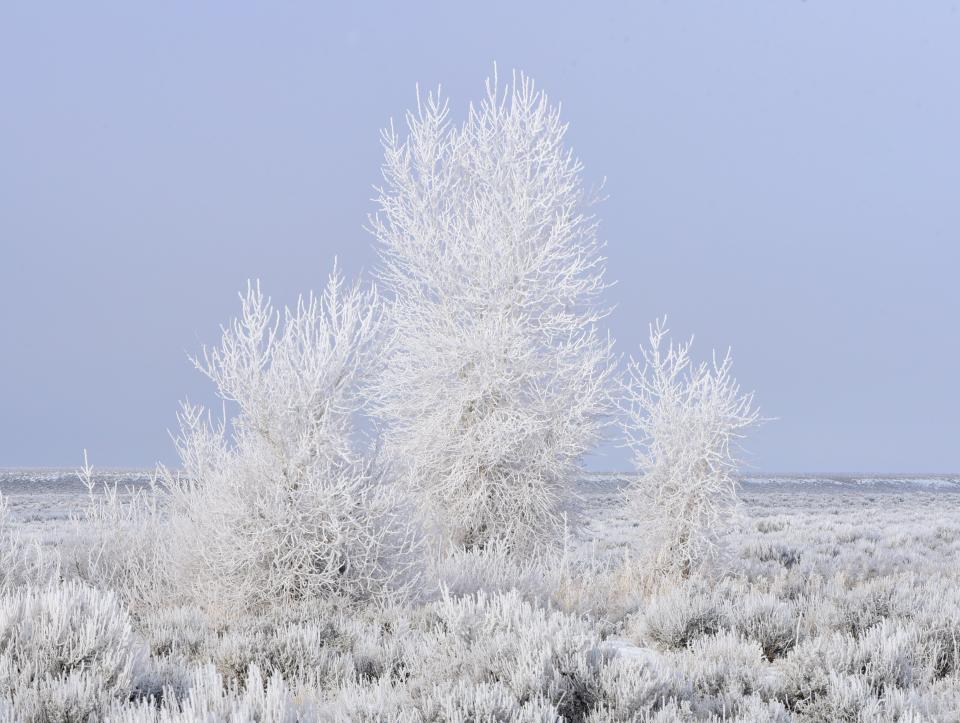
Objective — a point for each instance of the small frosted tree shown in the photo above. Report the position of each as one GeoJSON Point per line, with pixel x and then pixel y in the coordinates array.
{"type": "Point", "coordinates": [683, 424]}
{"type": "Point", "coordinates": [495, 381]}
{"type": "Point", "coordinates": [278, 505]}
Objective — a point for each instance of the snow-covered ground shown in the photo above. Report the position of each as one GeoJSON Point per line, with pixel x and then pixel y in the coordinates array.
{"type": "Point", "coordinates": [41, 500]}
{"type": "Point", "coordinates": [836, 598]}
{"type": "Point", "coordinates": [45, 496]}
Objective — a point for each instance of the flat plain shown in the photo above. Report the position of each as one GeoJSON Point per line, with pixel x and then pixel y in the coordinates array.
{"type": "Point", "coordinates": [830, 598]}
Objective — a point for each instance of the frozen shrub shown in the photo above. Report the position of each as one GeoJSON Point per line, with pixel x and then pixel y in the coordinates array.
{"type": "Point", "coordinates": [66, 651]}
{"type": "Point", "coordinates": [777, 552]}
{"type": "Point", "coordinates": [179, 631]}
{"type": "Point", "coordinates": [606, 590]}
{"type": "Point", "coordinates": [755, 709]}
{"type": "Point", "coordinates": [888, 655]}
{"type": "Point", "coordinates": [858, 609]}
{"type": "Point", "coordinates": [683, 423]}
{"type": "Point", "coordinates": [162, 677]}
{"type": "Point", "coordinates": [631, 688]}
{"type": "Point", "coordinates": [10, 547]}
{"type": "Point", "coordinates": [463, 702]}
{"type": "Point", "coordinates": [121, 541]}
{"type": "Point", "coordinates": [211, 698]}
{"type": "Point", "coordinates": [723, 669]}
{"type": "Point", "coordinates": [495, 381]}
{"type": "Point", "coordinates": [22, 563]}
{"type": "Point", "coordinates": [320, 645]}
{"type": "Point", "coordinates": [805, 671]}
{"type": "Point", "coordinates": [372, 702]}
{"type": "Point", "coordinates": [6, 526]}
{"type": "Point", "coordinates": [763, 618]}
{"type": "Point", "coordinates": [284, 507]}
{"type": "Point", "coordinates": [380, 639]}
{"type": "Point", "coordinates": [677, 618]}
{"type": "Point", "coordinates": [771, 525]}
{"type": "Point", "coordinates": [939, 638]}
{"type": "Point", "coordinates": [483, 657]}
{"type": "Point", "coordinates": [69, 698]}
{"type": "Point", "coordinates": [534, 652]}
{"type": "Point", "coordinates": [838, 675]}
{"type": "Point", "coordinates": [494, 568]}
{"type": "Point", "coordinates": [460, 701]}
{"type": "Point", "coordinates": [752, 709]}
{"type": "Point", "coordinates": [673, 712]}
{"type": "Point", "coordinates": [937, 702]}
{"type": "Point", "coordinates": [848, 697]}
{"type": "Point", "coordinates": [305, 649]}
{"type": "Point", "coordinates": [310, 652]}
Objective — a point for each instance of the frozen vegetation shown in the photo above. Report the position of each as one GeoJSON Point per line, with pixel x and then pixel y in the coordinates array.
{"type": "Point", "coordinates": [833, 600]}
{"type": "Point", "coordinates": [390, 521]}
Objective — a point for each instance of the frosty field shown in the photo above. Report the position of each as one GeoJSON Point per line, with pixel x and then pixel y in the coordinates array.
{"type": "Point", "coordinates": [833, 599]}
{"type": "Point", "coordinates": [383, 507]}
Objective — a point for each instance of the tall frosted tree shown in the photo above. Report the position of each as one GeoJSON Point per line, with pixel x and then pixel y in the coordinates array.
{"type": "Point", "coordinates": [495, 382]}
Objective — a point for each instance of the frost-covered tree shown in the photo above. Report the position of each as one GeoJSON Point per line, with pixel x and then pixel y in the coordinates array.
{"type": "Point", "coordinates": [278, 504]}
{"type": "Point", "coordinates": [495, 380]}
{"type": "Point", "coordinates": [683, 424]}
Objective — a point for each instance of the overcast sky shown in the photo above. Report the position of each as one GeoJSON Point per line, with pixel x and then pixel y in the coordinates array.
{"type": "Point", "coordinates": [782, 177]}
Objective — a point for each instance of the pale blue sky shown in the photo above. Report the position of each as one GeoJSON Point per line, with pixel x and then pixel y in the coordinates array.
{"type": "Point", "coordinates": [783, 177]}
